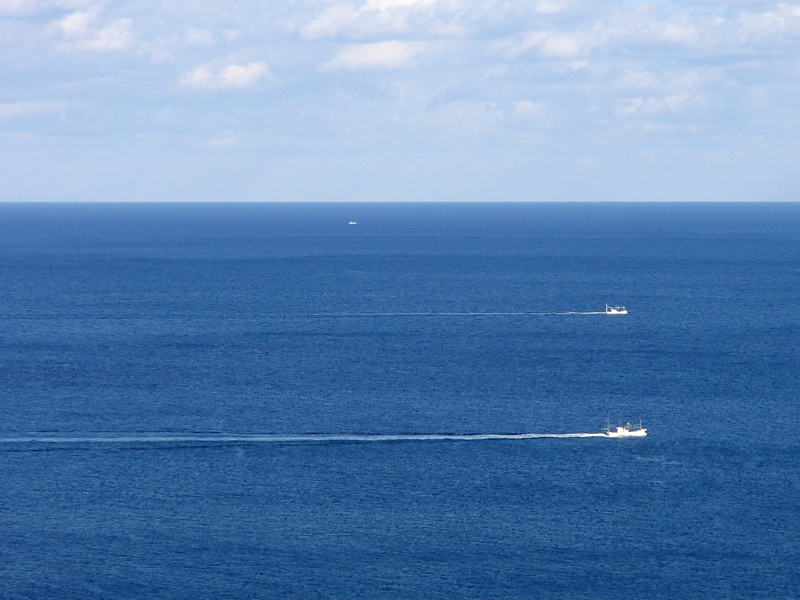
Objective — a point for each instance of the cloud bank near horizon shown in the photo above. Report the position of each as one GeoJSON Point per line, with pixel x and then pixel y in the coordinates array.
{"type": "Point", "coordinates": [390, 99]}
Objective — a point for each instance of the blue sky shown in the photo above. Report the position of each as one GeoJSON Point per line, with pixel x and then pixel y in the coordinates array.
{"type": "Point", "coordinates": [399, 100]}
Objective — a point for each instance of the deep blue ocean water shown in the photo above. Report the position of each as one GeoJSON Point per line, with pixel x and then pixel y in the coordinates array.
{"type": "Point", "coordinates": [196, 321]}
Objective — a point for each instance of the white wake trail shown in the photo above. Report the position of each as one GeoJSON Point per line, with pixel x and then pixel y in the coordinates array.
{"type": "Point", "coordinates": [282, 438]}
{"type": "Point", "coordinates": [435, 314]}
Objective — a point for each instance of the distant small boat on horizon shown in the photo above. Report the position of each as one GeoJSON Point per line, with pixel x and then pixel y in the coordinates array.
{"type": "Point", "coordinates": [353, 223]}
{"type": "Point", "coordinates": [616, 310]}
{"type": "Point", "coordinates": [627, 430]}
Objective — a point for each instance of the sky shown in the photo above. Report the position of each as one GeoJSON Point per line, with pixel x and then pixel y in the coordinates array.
{"type": "Point", "coordinates": [399, 100]}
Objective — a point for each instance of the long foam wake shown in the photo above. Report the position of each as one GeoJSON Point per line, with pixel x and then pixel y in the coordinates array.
{"type": "Point", "coordinates": [435, 314]}
{"type": "Point", "coordinates": [282, 438]}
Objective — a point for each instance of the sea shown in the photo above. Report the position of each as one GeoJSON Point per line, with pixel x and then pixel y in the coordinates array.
{"type": "Point", "coordinates": [245, 401]}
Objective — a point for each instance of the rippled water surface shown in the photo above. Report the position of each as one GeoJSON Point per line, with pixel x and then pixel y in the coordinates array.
{"type": "Point", "coordinates": [262, 401]}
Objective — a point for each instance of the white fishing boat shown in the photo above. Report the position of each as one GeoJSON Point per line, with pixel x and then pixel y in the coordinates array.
{"type": "Point", "coordinates": [627, 430]}
{"type": "Point", "coordinates": [353, 223]}
{"type": "Point", "coordinates": [616, 310]}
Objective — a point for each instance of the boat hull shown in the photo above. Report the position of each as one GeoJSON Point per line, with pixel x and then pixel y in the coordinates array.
{"type": "Point", "coordinates": [622, 432]}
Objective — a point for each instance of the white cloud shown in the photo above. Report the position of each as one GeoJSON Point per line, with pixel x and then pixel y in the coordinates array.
{"type": "Point", "coordinates": [392, 54]}
{"type": "Point", "coordinates": [549, 7]}
{"type": "Point", "coordinates": [641, 29]}
{"type": "Point", "coordinates": [370, 19]}
{"type": "Point", "coordinates": [27, 8]}
{"type": "Point", "coordinates": [232, 34]}
{"type": "Point", "coordinates": [784, 18]}
{"type": "Point", "coordinates": [390, 4]}
{"type": "Point", "coordinates": [239, 76]}
{"type": "Point", "coordinates": [78, 28]}
{"type": "Point", "coordinates": [115, 36]}
{"type": "Point", "coordinates": [618, 61]}
{"type": "Point", "coordinates": [386, 17]}
{"type": "Point", "coordinates": [680, 33]}
{"type": "Point", "coordinates": [676, 102]}
{"type": "Point", "coordinates": [652, 106]}
{"type": "Point", "coordinates": [77, 24]}
{"type": "Point", "coordinates": [564, 45]}
{"type": "Point", "coordinates": [14, 8]}
{"type": "Point", "coordinates": [200, 78]}
{"type": "Point", "coordinates": [526, 108]}
{"type": "Point", "coordinates": [230, 76]}
{"type": "Point", "coordinates": [552, 44]}
{"type": "Point", "coordinates": [557, 71]}
{"type": "Point", "coordinates": [11, 110]}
